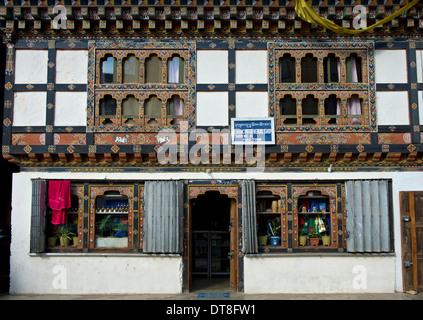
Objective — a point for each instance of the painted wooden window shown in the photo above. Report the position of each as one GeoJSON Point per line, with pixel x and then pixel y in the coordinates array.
{"type": "Point", "coordinates": [328, 85]}
{"type": "Point", "coordinates": [101, 217]}
{"type": "Point", "coordinates": [140, 89]}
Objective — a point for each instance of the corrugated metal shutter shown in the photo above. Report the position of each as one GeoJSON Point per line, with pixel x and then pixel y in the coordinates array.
{"type": "Point", "coordinates": [367, 216]}
{"type": "Point", "coordinates": [38, 216]}
{"type": "Point", "coordinates": [249, 223]}
{"type": "Point", "coordinates": [163, 225]}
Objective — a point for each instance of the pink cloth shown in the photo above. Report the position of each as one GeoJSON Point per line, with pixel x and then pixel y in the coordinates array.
{"type": "Point", "coordinates": [59, 200]}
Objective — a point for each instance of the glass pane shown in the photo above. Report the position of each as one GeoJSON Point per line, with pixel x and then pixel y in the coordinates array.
{"type": "Point", "coordinates": [111, 227]}
{"type": "Point", "coordinates": [287, 69]}
{"type": "Point", "coordinates": [107, 106]}
{"type": "Point", "coordinates": [331, 66]}
{"type": "Point", "coordinates": [308, 69]}
{"type": "Point", "coordinates": [153, 69]}
{"type": "Point", "coordinates": [153, 107]}
{"type": "Point", "coordinates": [131, 69]}
{"type": "Point", "coordinates": [108, 70]}
{"type": "Point", "coordinates": [130, 107]}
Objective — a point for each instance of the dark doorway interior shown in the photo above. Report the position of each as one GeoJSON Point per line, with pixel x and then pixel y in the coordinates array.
{"type": "Point", "coordinates": [210, 242]}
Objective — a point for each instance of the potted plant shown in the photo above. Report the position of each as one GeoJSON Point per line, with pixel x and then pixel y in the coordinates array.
{"type": "Point", "coordinates": [314, 237]}
{"type": "Point", "coordinates": [65, 234]}
{"type": "Point", "coordinates": [275, 240]}
{"type": "Point", "coordinates": [262, 239]}
{"type": "Point", "coordinates": [326, 240]}
{"type": "Point", "coordinates": [303, 236]}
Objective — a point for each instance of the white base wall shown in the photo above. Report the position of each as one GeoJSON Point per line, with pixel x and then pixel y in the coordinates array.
{"type": "Point", "coordinates": [319, 274]}
{"type": "Point", "coordinates": [103, 274]}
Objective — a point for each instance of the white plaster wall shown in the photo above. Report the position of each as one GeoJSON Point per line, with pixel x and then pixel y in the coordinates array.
{"type": "Point", "coordinates": [70, 108]}
{"type": "Point", "coordinates": [71, 66]}
{"type": "Point", "coordinates": [31, 274]}
{"type": "Point", "coordinates": [212, 108]}
{"type": "Point", "coordinates": [392, 108]}
{"type": "Point", "coordinates": [31, 66]}
{"type": "Point", "coordinates": [319, 274]}
{"type": "Point", "coordinates": [252, 104]}
{"type": "Point", "coordinates": [391, 66]}
{"type": "Point", "coordinates": [212, 66]}
{"type": "Point", "coordinates": [251, 66]}
{"type": "Point", "coordinates": [29, 108]}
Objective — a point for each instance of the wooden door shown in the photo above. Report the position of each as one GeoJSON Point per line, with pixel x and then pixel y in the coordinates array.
{"type": "Point", "coordinates": [412, 240]}
{"type": "Point", "coordinates": [233, 256]}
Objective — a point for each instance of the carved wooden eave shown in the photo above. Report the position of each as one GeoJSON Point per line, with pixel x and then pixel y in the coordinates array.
{"type": "Point", "coordinates": [273, 161]}
{"type": "Point", "coordinates": [194, 18]}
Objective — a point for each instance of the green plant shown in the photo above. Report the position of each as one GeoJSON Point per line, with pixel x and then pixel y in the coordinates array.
{"type": "Point", "coordinates": [105, 224]}
{"type": "Point", "coordinates": [313, 233]}
{"type": "Point", "coordinates": [303, 231]}
{"type": "Point", "coordinates": [64, 231]}
{"type": "Point", "coordinates": [275, 227]}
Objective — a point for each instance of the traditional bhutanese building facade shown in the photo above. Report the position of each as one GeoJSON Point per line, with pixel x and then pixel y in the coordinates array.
{"type": "Point", "coordinates": [192, 131]}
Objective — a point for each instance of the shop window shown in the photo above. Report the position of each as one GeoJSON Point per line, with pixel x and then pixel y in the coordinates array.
{"type": "Point", "coordinates": [288, 110]}
{"type": "Point", "coordinates": [269, 208]}
{"type": "Point", "coordinates": [108, 72]}
{"type": "Point", "coordinates": [314, 219]}
{"type": "Point", "coordinates": [152, 111]}
{"type": "Point", "coordinates": [153, 69]}
{"type": "Point", "coordinates": [111, 220]}
{"type": "Point", "coordinates": [131, 69]}
{"type": "Point", "coordinates": [331, 68]}
{"type": "Point", "coordinates": [130, 110]}
{"type": "Point", "coordinates": [287, 69]}
{"type": "Point", "coordinates": [308, 68]}
{"type": "Point", "coordinates": [354, 68]}
{"type": "Point", "coordinates": [175, 109]}
{"type": "Point", "coordinates": [310, 110]}
{"type": "Point", "coordinates": [175, 70]}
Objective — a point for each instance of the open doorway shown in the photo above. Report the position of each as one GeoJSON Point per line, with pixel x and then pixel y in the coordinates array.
{"type": "Point", "coordinates": [210, 246]}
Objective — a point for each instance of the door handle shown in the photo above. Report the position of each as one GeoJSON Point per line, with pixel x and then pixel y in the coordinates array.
{"type": "Point", "coordinates": [231, 255]}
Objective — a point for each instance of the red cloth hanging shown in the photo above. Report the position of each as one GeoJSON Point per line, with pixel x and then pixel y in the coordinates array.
{"type": "Point", "coordinates": [59, 200]}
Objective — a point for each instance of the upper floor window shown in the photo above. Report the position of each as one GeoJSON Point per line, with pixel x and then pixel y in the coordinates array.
{"type": "Point", "coordinates": [144, 88]}
{"type": "Point", "coordinates": [319, 86]}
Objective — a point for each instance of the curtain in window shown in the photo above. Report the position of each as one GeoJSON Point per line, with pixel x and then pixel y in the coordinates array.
{"type": "Point", "coordinates": [38, 216]}
{"type": "Point", "coordinates": [249, 220]}
{"type": "Point", "coordinates": [367, 216]}
{"type": "Point", "coordinates": [176, 106]}
{"type": "Point", "coordinates": [176, 70]}
{"type": "Point", "coordinates": [354, 108]}
{"type": "Point", "coordinates": [163, 217]}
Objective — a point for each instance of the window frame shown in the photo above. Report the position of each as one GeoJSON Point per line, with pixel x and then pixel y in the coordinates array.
{"type": "Point", "coordinates": [321, 89]}
{"type": "Point", "coordinates": [141, 90]}
{"type": "Point", "coordinates": [87, 194]}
